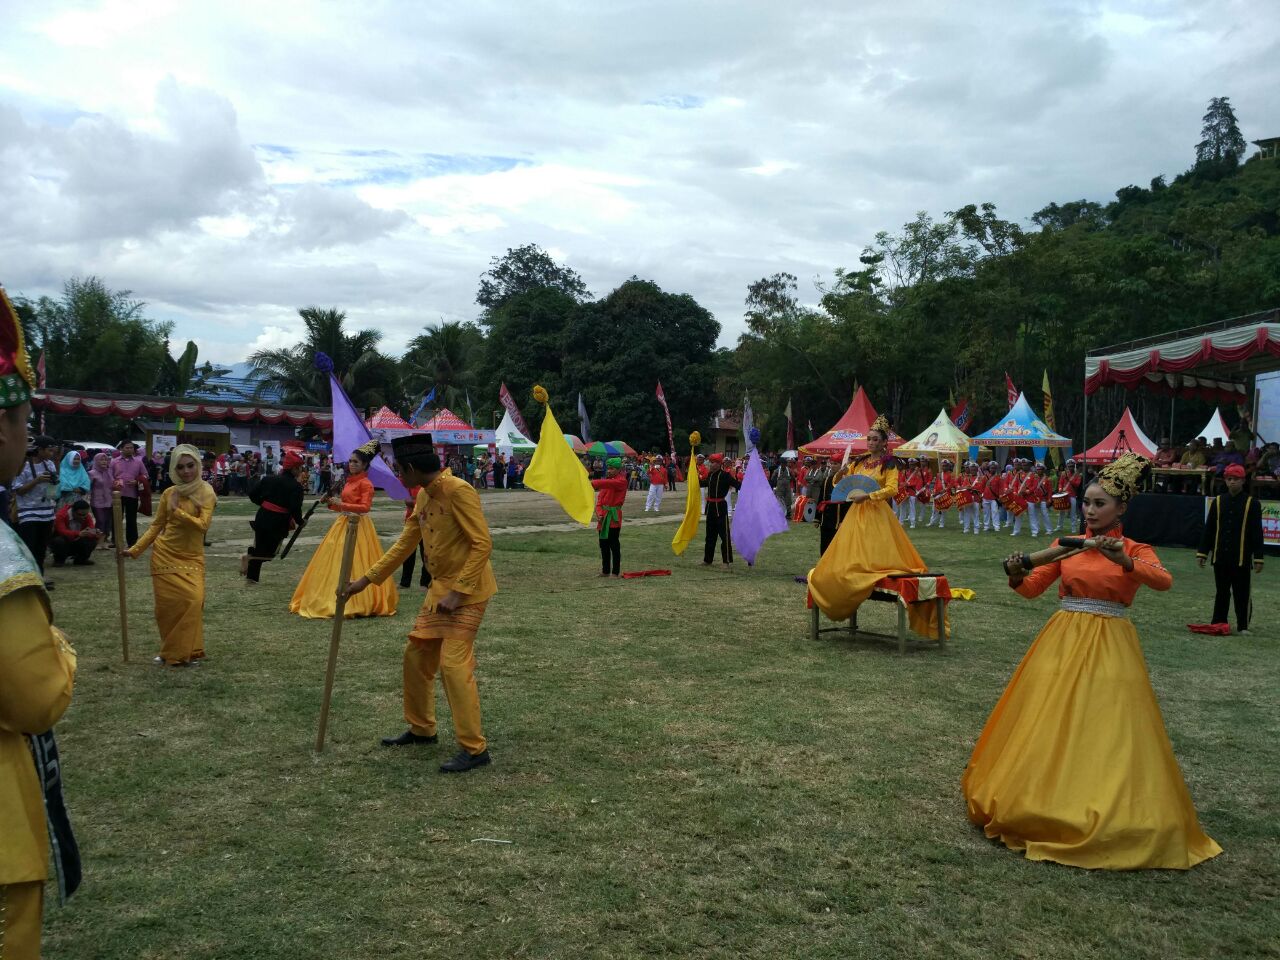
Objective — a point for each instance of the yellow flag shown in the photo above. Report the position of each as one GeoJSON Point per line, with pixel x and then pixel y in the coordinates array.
{"type": "Point", "coordinates": [692, 506]}
{"type": "Point", "coordinates": [556, 471]}
{"type": "Point", "coordinates": [1054, 453]}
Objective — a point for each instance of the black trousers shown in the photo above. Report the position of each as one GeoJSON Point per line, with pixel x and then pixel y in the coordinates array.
{"type": "Point", "coordinates": [406, 569]}
{"type": "Point", "coordinates": [1232, 580]}
{"type": "Point", "coordinates": [268, 533]}
{"type": "Point", "coordinates": [826, 533]}
{"type": "Point", "coordinates": [718, 529]}
{"type": "Point", "coordinates": [79, 549]}
{"type": "Point", "coordinates": [611, 552]}
{"type": "Point", "coordinates": [35, 534]}
{"type": "Point", "coordinates": [130, 505]}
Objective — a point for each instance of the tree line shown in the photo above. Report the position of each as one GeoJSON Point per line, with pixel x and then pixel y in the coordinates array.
{"type": "Point", "coordinates": [942, 308]}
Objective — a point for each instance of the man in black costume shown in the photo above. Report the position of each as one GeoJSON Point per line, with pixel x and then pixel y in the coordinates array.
{"type": "Point", "coordinates": [279, 500]}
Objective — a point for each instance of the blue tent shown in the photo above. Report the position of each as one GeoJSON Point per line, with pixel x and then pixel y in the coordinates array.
{"type": "Point", "coordinates": [1021, 427]}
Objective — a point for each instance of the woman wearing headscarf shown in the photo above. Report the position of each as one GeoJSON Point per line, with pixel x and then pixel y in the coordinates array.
{"type": "Point", "coordinates": [100, 486]}
{"type": "Point", "coordinates": [1074, 764]}
{"type": "Point", "coordinates": [316, 595]}
{"type": "Point", "coordinates": [176, 537]}
{"type": "Point", "coordinates": [73, 479]}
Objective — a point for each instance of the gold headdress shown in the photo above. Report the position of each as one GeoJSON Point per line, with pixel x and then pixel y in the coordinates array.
{"type": "Point", "coordinates": [881, 425]}
{"type": "Point", "coordinates": [370, 449]}
{"type": "Point", "coordinates": [1121, 478]}
{"type": "Point", "coordinates": [17, 379]}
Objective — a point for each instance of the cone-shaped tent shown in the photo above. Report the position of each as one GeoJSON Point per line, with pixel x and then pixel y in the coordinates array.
{"type": "Point", "coordinates": [850, 432]}
{"type": "Point", "coordinates": [446, 419]}
{"type": "Point", "coordinates": [1216, 429]}
{"type": "Point", "coordinates": [1125, 437]}
{"type": "Point", "coordinates": [508, 439]}
{"type": "Point", "coordinates": [386, 419]}
{"type": "Point", "coordinates": [1021, 427]}
{"type": "Point", "coordinates": [942, 438]}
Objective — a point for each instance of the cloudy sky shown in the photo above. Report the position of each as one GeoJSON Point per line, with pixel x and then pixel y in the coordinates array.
{"type": "Point", "coordinates": [230, 162]}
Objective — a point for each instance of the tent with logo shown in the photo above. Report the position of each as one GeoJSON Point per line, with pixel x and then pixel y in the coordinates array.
{"type": "Point", "coordinates": [1125, 437]}
{"type": "Point", "coordinates": [508, 439]}
{"type": "Point", "coordinates": [850, 432]}
{"type": "Point", "coordinates": [941, 439]}
{"type": "Point", "coordinates": [1021, 427]}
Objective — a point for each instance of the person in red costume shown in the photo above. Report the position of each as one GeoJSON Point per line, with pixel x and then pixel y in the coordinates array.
{"type": "Point", "coordinates": [611, 493]}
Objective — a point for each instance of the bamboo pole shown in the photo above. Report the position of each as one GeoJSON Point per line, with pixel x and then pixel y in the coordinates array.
{"type": "Point", "coordinates": [335, 637]}
{"type": "Point", "coordinates": [117, 527]}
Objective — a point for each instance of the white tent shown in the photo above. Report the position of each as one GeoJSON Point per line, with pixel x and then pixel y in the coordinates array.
{"type": "Point", "coordinates": [508, 439]}
{"type": "Point", "coordinates": [1215, 429]}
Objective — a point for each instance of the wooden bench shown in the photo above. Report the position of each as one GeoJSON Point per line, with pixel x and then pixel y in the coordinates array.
{"type": "Point", "coordinates": [941, 595]}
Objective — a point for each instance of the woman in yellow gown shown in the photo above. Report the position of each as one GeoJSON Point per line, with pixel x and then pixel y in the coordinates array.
{"type": "Point", "coordinates": [870, 543]}
{"type": "Point", "coordinates": [316, 595]}
{"type": "Point", "coordinates": [1074, 764]}
{"type": "Point", "coordinates": [176, 537]}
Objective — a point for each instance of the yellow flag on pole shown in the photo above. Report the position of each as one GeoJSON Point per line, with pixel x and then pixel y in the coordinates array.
{"type": "Point", "coordinates": [692, 501]}
{"type": "Point", "coordinates": [556, 470]}
{"type": "Point", "coordinates": [1048, 418]}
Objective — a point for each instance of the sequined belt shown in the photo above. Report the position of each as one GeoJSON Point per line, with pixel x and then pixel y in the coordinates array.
{"type": "Point", "coordinates": [1102, 608]}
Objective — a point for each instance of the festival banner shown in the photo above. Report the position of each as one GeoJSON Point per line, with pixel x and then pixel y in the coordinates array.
{"type": "Point", "coordinates": [671, 440]}
{"type": "Point", "coordinates": [1011, 390]}
{"type": "Point", "coordinates": [1270, 521]}
{"type": "Point", "coordinates": [791, 427]}
{"type": "Point", "coordinates": [960, 413]}
{"type": "Point", "coordinates": [1048, 418]}
{"type": "Point", "coordinates": [748, 422]}
{"type": "Point", "coordinates": [509, 404]}
{"type": "Point", "coordinates": [583, 421]}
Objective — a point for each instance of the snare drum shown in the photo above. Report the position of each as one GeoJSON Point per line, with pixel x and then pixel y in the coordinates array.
{"type": "Point", "coordinates": [924, 496]}
{"type": "Point", "coordinates": [1016, 505]}
{"type": "Point", "coordinates": [798, 511]}
{"type": "Point", "coordinates": [810, 512]}
{"type": "Point", "coordinates": [1061, 501]}
{"type": "Point", "coordinates": [901, 496]}
{"type": "Point", "coordinates": [943, 501]}
{"type": "Point", "coordinates": [966, 498]}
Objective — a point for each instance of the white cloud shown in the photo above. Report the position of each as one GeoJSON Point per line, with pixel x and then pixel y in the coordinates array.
{"type": "Point", "coordinates": [232, 162]}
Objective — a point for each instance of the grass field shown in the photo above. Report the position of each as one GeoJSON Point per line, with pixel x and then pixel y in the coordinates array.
{"type": "Point", "coordinates": [680, 772]}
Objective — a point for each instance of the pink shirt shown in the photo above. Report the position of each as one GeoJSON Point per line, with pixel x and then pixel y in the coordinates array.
{"type": "Point", "coordinates": [128, 473]}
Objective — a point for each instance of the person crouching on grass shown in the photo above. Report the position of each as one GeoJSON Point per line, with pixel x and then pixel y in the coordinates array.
{"type": "Point", "coordinates": [447, 516]}
{"type": "Point", "coordinates": [75, 535]}
{"type": "Point", "coordinates": [611, 494]}
{"type": "Point", "coordinates": [1232, 542]}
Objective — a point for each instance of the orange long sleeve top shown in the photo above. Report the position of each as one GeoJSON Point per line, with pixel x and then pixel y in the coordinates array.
{"type": "Point", "coordinates": [356, 496]}
{"type": "Point", "coordinates": [1090, 574]}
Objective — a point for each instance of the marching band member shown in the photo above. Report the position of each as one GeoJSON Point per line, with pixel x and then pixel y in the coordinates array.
{"type": "Point", "coordinates": [1044, 490]}
{"type": "Point", "coordinates": [657, 483]}
{"type": "Point", "coordinates": [1069, 483]}
{"type": "Point", "coordinates": [991, 490]}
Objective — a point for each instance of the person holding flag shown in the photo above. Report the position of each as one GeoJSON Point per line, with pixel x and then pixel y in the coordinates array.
{"type": "Point", "coordinates": [657, 483]}
{"type": "Point", "coordinates": [719, 483]}
{"type": "Point", "coordinates": [279, 500]}
{"type": "Point", "coordinates": [611, 494]}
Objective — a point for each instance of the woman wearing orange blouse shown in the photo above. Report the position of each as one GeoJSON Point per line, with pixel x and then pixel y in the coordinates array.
{"type": "Point", "coordinates": [176, 538]}
{"type": "Point", "coordinates": [316, 595]}
{"type": "Point", "coordinates": [1074, 764]}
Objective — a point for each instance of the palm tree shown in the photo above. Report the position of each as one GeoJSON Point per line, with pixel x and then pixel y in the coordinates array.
{"type": "Point", "coordinates": [444, 356]}
{"type": "Point", "coordinates": [369, 376]}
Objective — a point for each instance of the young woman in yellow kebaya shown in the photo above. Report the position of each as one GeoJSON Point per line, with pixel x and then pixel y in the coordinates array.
{"type": "Point", "coordinates": [316, 595]}
{"type": "Point", "coordinates": [176, 537]}
{"type": "Point", "coordinates": [1074, 764]}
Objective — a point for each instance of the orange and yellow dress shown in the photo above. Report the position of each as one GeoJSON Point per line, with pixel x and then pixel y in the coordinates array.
{"type": "Point", "coordinates": [1074, 764]}
{"type": "Point", "coordinates": [869, 546]}
{"type": "Point", "coordinates": [176, 538]}
{"type": "Point", "coordinates": [316, 596]}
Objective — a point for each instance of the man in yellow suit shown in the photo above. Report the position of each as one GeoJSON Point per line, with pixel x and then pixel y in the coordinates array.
{"type": "Point", "coordinates": [447, 518]}
{"type": "Point", "coordinates": [37, 668]}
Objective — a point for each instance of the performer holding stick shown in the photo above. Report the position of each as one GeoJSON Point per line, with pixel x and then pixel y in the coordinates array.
{"type": "Point", "coordinates": [37, 671]}
{"type": "Point", "coordinates": [351, 535]}
{"type": "Point", "coordinates": [117, 528]}
{"type": "Point", "coordinates": [1074, 764]}
{"type": "Point", "coordinates": [448, 517]}
{"type": "Point", "coordinates": [279, 500]}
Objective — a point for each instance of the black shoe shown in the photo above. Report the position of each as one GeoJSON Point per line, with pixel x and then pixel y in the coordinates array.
{"type": "Point", "coordinates": [465, 761]}
{"type": "Point", "coordinates": [408, 739]}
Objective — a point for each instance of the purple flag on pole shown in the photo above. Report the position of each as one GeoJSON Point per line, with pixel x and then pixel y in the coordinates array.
{"type": "Point", "coordinates": [758, 514]}
{"type": "Point", "coordinates": [350, 432]}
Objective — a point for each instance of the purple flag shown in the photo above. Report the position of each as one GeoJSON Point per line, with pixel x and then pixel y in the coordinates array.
{"type": "Point", "coordinates": [350, 432]}
{"type": "Point", "coordinates": [758, 514]}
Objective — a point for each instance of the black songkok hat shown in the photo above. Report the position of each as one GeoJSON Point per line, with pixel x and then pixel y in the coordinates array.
{"type": "Point", "coordinates": [413, 446]}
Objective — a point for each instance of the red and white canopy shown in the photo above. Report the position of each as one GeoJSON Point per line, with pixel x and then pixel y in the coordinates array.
{"type": "Point", "coordinates": [1216, 429]}
{"type": "Point", "coordinates": [125, 405]}
{"type": "Point", "coordinates": [446, 419]}
{"type": "Point", "coordinates": [387, 419]}
{"type": "Point", "coordinates": [1211, 363]}
{"type": "Point", "coordinates": [1125, 437]}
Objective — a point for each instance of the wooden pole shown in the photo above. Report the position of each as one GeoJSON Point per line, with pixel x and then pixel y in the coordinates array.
{"type": "Point", "coordinates": [117, 527]}
{"type": "Point", "coordinates": [335, 637]}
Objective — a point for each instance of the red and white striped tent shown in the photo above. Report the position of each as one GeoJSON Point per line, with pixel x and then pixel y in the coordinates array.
{"type": "Point", "coordinates": [387, 419]}
{"type": "Point", "coordinates": [446, 419]}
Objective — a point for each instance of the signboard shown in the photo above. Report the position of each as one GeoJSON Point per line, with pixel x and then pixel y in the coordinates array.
{"type": "Point", "coordinates": [270, 450]}
{"type": "Point", "coordinates": [162, 443]}
{"type": "Point", "coordinates": [1270, 522]}
{"type": "Point", "coordinates": [317, 446]}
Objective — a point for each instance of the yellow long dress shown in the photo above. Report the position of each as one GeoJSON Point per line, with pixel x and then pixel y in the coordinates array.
{"type": "Point", "coordinates": [176, 538]}
{"type": "Point", "coordinates": [869, 545]}
{"type": "Point", "coordinates": [316, 594]}
{"type": "Point", "coordinates": [1074, 764]}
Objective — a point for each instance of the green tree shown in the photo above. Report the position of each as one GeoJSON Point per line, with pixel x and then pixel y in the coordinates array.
{"type": "Point", "coordinates": [526, 268]}
{"type": "Point", "coordinates": [617, 349]}
{"type": "Point", "coordinates": [185, 375]}
{"type": "Point", "coordinates": [446, 356]}
{"type": "Point", "coordinates": [370, 377]}
{"type": "Point", "coordinates": [1221, 142]}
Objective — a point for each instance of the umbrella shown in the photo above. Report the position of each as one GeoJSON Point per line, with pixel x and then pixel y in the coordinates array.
{"type": "Point", "coordinates": [602, 449]}
{"type": "Point", "coordinates": [789, 455]}
{"type": "Point", "coordinates": [578, 445]}
{"type": "Point", "coordinates": [626, 448]}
